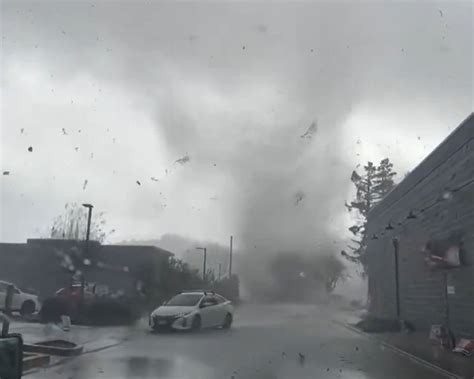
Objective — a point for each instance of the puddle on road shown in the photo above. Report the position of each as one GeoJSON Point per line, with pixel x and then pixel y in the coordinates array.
{"type": "Point", "coordinates": [138, 367]}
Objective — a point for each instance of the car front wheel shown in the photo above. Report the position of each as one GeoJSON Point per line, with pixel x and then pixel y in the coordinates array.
{"type": "Point", "coordinates": [227, 322]}
{"type": "Point", "coordinates": [196, 325]}
{"type": "Point", "coordinates": [27, 308]}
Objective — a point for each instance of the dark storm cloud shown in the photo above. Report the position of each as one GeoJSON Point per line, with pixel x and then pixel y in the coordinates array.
{"type": "Point", "coordinates": [247, 108]}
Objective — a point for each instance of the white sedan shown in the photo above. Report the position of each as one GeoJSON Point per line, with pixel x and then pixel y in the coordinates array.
{"type": "Point", "coordinates": [23, 302]}
{"type": "Point", "coordinates": [193, 310]}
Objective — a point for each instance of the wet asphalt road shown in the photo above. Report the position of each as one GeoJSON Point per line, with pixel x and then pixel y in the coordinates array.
{"type": "Point", "coordinates": [266, 342]}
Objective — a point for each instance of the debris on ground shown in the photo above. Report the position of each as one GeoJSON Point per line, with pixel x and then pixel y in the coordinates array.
{"type": "Point", "coordinates": [465, 347]}
{"type": "Point", "coordinates": [85, 184]}
{"type": "Point", "coordinates": [302, 358]}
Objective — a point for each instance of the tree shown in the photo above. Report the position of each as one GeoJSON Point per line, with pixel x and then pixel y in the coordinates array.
{"type": "Point", "coordinates": [72, 224]}
{"type": "Point", "coordinates": [371, 187]}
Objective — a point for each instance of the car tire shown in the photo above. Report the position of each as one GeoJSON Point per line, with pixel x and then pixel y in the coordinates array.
{"type": "Point", "coordinates": [227, 322]}
{"type": "Point", "coordinates": [27, 308]}
{"type": "Point", "coordinates": [196, 325]}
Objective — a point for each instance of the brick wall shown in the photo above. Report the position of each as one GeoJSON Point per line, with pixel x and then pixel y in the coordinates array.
{"type": "Point", "coordinates": [440, 192]}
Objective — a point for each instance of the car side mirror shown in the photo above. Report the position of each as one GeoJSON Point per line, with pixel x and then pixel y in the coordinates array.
{"type": "Point", "coordinates": [11, 352]}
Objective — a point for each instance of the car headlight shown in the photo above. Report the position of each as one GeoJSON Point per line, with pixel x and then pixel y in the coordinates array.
{"type": "Point", "coordinates": [184, 314]}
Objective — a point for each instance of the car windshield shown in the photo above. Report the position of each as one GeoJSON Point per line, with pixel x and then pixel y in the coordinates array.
{"type": "Point", "coordinates": [184, 300]}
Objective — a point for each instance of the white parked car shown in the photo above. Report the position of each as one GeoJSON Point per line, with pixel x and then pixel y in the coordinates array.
{"type": "Point", "coordinates": [193, 310]}
{"type": "Point", "coordinates": [23, 302]}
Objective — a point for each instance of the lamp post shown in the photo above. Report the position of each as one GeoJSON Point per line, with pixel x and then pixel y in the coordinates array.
{"type": "Point", "coordinates": [204, 262]}
{"type": "Point", "coordinates": [230, 255]}
{"type": "Point", "coordinates": [86, 255]}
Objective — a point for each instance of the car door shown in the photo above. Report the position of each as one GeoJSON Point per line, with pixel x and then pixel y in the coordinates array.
{"type": "Point", "coordinates": [221, 311]}
{"type": "Point", "coordinates": [17, 299]}
{"type": "Point", "coordinates": [208, 311]}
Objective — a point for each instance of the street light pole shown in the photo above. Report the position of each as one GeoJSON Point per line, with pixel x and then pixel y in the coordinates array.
{"type": "Point", "coordinates": [230, 255]}
{"type": "Point", "coordinates": [86, 255]}
{"type": "Point", "coordinates": [204, 262]}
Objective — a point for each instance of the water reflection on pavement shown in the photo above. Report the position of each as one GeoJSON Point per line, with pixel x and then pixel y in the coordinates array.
{"type": "Point", "coordinates": [267, 342]}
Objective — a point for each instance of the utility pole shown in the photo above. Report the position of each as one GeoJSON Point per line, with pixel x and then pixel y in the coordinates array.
{"type": "Point", "coordinates": [204, 262]}
{"type": "Point", "coordinates": [230, 256]}
{"type": "Point", "coordinates": [86, 255]}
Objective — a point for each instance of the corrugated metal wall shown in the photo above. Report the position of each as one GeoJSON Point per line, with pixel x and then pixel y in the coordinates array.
{"type": "Point", "coordinates": [440, 191]}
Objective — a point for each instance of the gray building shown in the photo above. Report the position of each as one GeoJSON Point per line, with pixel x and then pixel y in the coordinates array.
{"type": "Point", "coordinates": [420, 249]}
{"type": "Point", "coordinates": [48, 264]}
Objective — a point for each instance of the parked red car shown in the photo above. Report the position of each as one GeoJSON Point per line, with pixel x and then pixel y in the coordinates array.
{"type": "Point", "coordinates": [73, 293]}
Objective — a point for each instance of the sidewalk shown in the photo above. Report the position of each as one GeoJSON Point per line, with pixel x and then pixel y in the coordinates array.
{"type": "Point", "coordinates": [417, 344]}
{"type": "Point", "coordinates": [92, 338]}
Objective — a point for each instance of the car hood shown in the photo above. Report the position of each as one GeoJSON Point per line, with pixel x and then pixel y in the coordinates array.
{"type": "Point", "coordinates": [170, 311]}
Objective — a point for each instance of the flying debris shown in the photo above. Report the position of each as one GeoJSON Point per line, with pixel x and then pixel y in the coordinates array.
{"type": "Point", "coordinates": [355, 177]}
{"type": "Point", "coordinates": [85, 184]}
{"type": "Point", "coordinates": [6, 173]}
{"type": "Point", "coordinates": [22, 130]}
{"type": "Point", "coordinates": [313, 128]}
{"type": "Point", "coordinates": [440, 12]}
{"type": "Point", "coordinates": [302, 358]}
{"type": "Point", "coordinates": [64, 131]}
{"type": "Point", "coordinates": [138, 182]}
{"type": "Point", "coordinates": [30, 149]}
{"type": "Point", "coordinates": [154, 179]}
{"type": "Point", "coordinates": [299, 196]}
{"type": "Point", "coordinates": [183, 160]}
{"type": "Point", "coordinates": [76, 148]}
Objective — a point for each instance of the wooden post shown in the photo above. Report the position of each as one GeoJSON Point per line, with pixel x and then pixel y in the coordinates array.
{"type": "Point", "coordinates": [9, 299]}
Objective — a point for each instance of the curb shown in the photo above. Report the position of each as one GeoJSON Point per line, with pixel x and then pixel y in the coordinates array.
{"type": "Point", "coordinates": [46, 347]}
{"type": "Point", "coordinates": [400, 352]}
{"type": "Point", "coordinates": [31, 361]}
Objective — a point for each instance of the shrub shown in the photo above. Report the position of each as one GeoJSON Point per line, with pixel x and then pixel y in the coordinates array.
{"type": "Point", "coordinates": [54, 307]}
{"type": "Point", "coordinates": [109, 312]}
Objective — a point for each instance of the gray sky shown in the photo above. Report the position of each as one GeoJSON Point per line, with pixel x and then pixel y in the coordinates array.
{"type": "Point", "coordinates": [233, 86]}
